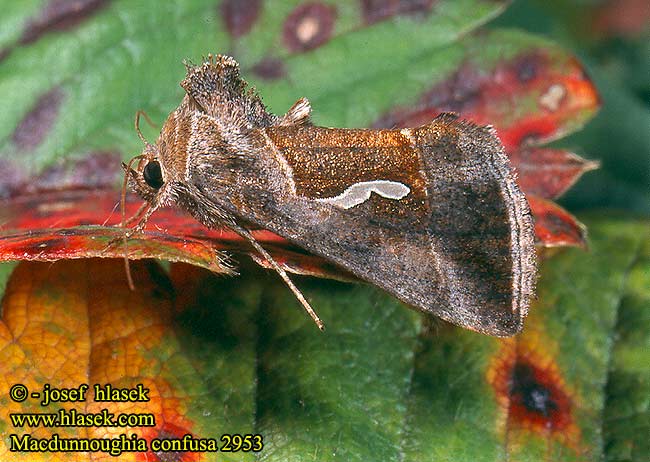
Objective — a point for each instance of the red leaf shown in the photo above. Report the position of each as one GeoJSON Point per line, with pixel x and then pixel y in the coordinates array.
{"type": "Point", "coordinates": [558, 94]}
{"type": "Point", "coordinates": [534, 96]}
{"type": "Point", "coordinates": [554, 226]}
{"type": "Point", "coordinates": [547, 172]}
{"type": "Point", "coordinates": [64, 225]}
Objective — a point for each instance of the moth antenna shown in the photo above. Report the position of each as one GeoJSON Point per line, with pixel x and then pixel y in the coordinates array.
{"type": "Point", "coordinates": [139, 113]}
{"type": "Point", "coordinates": [283, 274]}
{"type": "Point", "coordinates": [125, 182]}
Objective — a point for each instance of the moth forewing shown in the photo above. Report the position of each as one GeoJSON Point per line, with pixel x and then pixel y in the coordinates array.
{"type": "Point", "coordinates": [431, 214]}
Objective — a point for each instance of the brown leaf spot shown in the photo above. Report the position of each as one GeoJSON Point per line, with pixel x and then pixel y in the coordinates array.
{"type": "Point", "coordinates": [528, 66]}
{"type": "Point", "coordinates": [459, 93]}
{"type": "Point", "coordinates": [530, 389]}
{"type": "Point", "coordinates": [534, 395]}
{"type": "Point", "coordinates": [270, 68]}
{"type": "Point", "coordinates": [12, 178]}
{"type": "Point", "coordinates": [309, 26]}
{"type": "Point", "coordinates": [97, 170]}
{"type": "Point", "coordinates": [60, 15]}
{"type": "Point", "coordinates": [168, 456]}
{"type": "Point", "coordinates": [5, 52]}
{"type": "Point", "coordinates": [171, 431]}
{"type": "Point", "coordinates": [31, 131]}
{"type": "Point", "coordinates": [379, 10]}
{"type": "Point", "coordinates": [464, 91]}
{"type": "Point", "coordinates": [240, 15]}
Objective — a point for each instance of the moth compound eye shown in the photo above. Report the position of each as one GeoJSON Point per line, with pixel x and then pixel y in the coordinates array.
{"type": "Point", "coordinates": [153, 175]}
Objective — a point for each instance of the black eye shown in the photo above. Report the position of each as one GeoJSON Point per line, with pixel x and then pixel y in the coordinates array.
{"type": "Point", "coordinates": [153, 174]}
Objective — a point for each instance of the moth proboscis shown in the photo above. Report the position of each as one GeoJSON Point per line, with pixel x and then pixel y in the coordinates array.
{"type": "Point", "coordinates": [431, 214]}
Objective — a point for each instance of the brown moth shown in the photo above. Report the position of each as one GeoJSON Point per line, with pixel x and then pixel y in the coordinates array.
{"type": "Point", "coordinates": [431, 214]}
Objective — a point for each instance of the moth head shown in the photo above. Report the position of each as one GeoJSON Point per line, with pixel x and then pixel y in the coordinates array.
{"type": "Point", "coordinates": [144, 174]}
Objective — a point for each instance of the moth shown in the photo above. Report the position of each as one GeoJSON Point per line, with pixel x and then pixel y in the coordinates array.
{"type": "Point", "coordinates": [431, 214]}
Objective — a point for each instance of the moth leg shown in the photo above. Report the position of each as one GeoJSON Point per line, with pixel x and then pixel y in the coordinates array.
{"type": "Point", "coordinates": [137, 214]}
{"type": "Point", "coordinates": [148, 210]}
{"type": "Point", "coordinates": [145, 210]}
{"type": "Point", "coordinates": [283, 274]}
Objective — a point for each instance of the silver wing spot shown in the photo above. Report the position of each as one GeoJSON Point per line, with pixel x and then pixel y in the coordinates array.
{"type": "Point", "coordinates": [358, 193]}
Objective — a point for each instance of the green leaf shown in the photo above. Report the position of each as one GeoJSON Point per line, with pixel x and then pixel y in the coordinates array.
{"type": "Point", "coordinates": [382, 383]}
{"type": "Point", "coordinates": [128, 55]}
{"type": "Point", "coordinates": [626, 420]}
{"type": "Point", "coordinates": [373, 387]}
{"type": "Point", "coordinates": [337, 395]}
